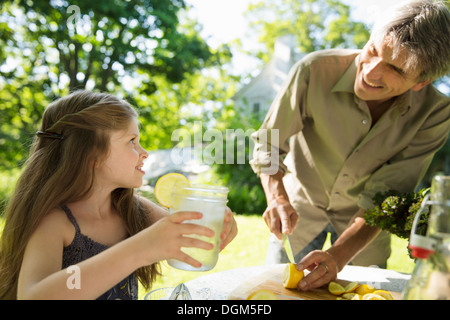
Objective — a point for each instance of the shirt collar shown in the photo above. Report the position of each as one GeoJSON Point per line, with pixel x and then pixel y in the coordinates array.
{"type": "Point", "coordinates": [347, 81]}
{"type": "Point", "coordinates": [404, 102]}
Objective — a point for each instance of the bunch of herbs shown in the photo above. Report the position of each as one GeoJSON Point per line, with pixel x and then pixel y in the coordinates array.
{"type": "Point", "coordinates": [394, 211]}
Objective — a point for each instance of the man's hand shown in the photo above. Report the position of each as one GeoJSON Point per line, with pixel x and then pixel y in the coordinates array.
{"type": "Point", "coordinates": [280, 217]}
{"type": "Point", "coordinates": [325, 265]}
{"type": "Point", "coordinates": [323, 269]}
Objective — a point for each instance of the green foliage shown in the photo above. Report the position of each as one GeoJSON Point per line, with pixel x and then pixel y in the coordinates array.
{"type": "Point", "coordinates": [137, 50]}
{"type": "Point", "coordinates": [246, 194]}
{"type": "Point", "coordinates": [199, 97]}
{"type": "Point", "coordinates": [395, 211]}
{"type": "Point", "coordinates": [316, 24]}
{"type": "Point", "coordinates": [7, 182]}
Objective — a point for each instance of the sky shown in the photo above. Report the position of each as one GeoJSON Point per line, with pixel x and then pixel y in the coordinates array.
{"type": "Point", "coordinates": [223, 21]}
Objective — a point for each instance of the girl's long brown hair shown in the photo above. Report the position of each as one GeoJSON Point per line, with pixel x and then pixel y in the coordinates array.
{"type": "Point", "coordinates": [61, 171]}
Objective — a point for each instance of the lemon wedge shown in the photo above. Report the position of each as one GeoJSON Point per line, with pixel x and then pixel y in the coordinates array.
{"type": "Point", "coordinates": [351, 296]}
{"type": "Point", "coordinates": [364, 289]}
{"type": "Point", "coordinates": [372, 296]}
{"type": "Point", "coordinates": [291, 276]}
{"type": "Point", "coordinates": [351, 287]}
{"type": "Point", "coordinates": [335, 288]}
{"type": "Point", "coordinates": [262, 294]}
{"type": "Point", "coordinates": [166, 185]}
{"type": "Point", "coordinates": [386, 295]}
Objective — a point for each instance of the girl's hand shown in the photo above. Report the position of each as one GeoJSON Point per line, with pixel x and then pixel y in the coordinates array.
{"type": "Point", "coordinates": [229, 230]}
{"type": "Point", "coordinates": [165, 238]}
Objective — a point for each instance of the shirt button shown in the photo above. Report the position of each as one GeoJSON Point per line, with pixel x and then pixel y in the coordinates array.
{"type": "Point", "coordinates": [364, 122]}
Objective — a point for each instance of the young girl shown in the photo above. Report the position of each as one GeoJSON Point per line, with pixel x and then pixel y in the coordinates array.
{"type": "Point", "coordinates": [74, 205]}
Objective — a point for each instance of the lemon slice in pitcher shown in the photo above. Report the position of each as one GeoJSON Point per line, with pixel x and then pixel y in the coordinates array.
{"type": "Point", "coordinates": [165, 186]}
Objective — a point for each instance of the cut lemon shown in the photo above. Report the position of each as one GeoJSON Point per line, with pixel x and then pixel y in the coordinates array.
{"type": "Point", "coordinates": [291, 276]}
{"type": "Point", "coordinates": [363, 289]}
{"type": "Point", "coordinates": [372, 296]}
{"type": "Point", "coordinates": [386, 295]}
{"type": "Point", "coordinates": [165, 186]}
{"type": "Point", "coordinates": [351, 296]}
{"type": "Point", "coordinates": [351, 287]}
{"type": "Point", "coordinates": [335, 288]}
{"type": "Point", "coordinates": [262, 295]}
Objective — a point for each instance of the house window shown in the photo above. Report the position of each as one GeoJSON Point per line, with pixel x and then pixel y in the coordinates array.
{"type": "Point", "coordinates": [256, 107]}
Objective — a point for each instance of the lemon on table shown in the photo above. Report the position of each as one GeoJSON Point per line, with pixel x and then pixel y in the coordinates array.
{"type": "Point", "coordinates": [291, 276]}
{"type": "Point", "coordinates": [351, 296]}
{"type": "Point", "coordinates": [386, 295]}
{"type": "Point", "coordinates": [351, 287]}
{"type": "Point", "coordinates": [262, 294]}
{"type": "Point", "coordinates": [335, 288]}
{"type": "Point", "coordinates": [165, 186]}
{"type": "Point", "coordinates": [363, 289]}
{"type": "Point", "coordinates": [372, 296]}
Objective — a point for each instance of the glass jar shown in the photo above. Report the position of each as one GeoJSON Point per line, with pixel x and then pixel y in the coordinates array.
{"type": "Point", "coordinates": [211, 202]}
{"type": "Point", "coordinates": [430, 279]}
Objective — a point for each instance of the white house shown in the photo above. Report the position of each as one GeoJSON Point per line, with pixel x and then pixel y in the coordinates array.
{"type": "Point", "coordinates": [257, 96]}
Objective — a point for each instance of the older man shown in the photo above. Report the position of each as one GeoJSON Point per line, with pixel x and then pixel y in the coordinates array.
{"type": "Point", "coordinates": [352, 123]}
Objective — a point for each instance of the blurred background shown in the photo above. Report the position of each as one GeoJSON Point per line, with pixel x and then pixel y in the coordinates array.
{"type": "Point", "coordinates": [195, 65]}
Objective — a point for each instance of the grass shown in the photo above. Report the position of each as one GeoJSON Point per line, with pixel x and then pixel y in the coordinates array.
{"type": "Point", "coordinates": [399, 259]}
{"type": "Point", "coordinates": [249, 249]}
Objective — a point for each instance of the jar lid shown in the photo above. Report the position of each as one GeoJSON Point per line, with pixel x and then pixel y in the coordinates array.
{"type": "Point", "coordinates": [422, 246]}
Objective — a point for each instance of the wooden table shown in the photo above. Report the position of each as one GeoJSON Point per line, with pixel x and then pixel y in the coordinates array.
{"type": "Point", "coordinates": [219, 285]}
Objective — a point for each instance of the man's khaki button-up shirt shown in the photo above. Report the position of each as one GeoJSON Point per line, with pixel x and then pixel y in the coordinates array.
{"type": "Point", "coordinates": [335, 160]}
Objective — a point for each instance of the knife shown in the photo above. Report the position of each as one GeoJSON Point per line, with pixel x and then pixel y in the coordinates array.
{"type": "Point", "coordinates": [288, 248]}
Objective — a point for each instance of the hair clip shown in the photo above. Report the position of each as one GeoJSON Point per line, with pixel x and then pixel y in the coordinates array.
{"type": "Point", "coordinates": [51, 135]}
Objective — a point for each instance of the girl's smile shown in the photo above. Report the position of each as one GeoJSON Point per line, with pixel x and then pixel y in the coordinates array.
{"type": "Point", "coordinates": [123, 166]}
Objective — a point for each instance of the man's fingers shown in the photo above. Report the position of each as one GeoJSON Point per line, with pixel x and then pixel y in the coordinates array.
{"type": "Point", "coordinates": [323, 270]}
{"type": "Point", "coordinates": [286, 224]}
{"type": "Point", "coordinates": [289, 219]}
{"type": "Point", "coordinates": [281, 218]}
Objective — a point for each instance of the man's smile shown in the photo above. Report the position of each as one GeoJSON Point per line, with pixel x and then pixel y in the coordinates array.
{"type": "Point", "coordinates": [371, 84]}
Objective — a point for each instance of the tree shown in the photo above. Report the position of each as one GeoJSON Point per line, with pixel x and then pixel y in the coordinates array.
{"type": "Point", "coordinates": [128, 48]}
{"type": "Point", "coordinates": [317, 24]}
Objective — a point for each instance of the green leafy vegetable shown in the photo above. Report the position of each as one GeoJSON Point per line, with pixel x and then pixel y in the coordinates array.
{"type": "Point", "coordinates": [394, 211]}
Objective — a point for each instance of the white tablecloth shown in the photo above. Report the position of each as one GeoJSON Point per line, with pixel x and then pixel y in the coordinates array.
{"type": "Point", "coordinates": [217, 286]}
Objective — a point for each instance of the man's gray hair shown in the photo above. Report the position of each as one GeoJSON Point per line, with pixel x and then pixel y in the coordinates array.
{"type": "Point", "coordinates": [422, 27]}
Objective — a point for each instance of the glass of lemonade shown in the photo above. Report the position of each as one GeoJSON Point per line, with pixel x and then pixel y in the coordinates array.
{"type": "Point", "coordinates": [211, 202]}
